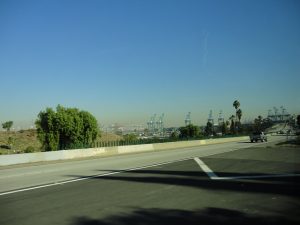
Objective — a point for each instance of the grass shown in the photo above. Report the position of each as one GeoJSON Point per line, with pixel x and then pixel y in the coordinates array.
{"type": "Point", "coordinates": [27, 141]}
{"type": "Point", "coordinates": [19, 141]}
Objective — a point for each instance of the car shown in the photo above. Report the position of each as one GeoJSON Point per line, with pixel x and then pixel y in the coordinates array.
{"type": "Point", "coordinates": [256, 136]}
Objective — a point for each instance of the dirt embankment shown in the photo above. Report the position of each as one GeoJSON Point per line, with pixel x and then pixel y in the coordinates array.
{"type": "Point", "coordinates": [26, 140]}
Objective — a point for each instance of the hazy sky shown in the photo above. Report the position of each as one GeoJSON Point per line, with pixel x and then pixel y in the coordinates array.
{"type": "Point", "coordinates": [126, 60]}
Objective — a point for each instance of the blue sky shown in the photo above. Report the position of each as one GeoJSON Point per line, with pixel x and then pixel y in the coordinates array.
{"type": "Point", "coordinates": [126, 60]}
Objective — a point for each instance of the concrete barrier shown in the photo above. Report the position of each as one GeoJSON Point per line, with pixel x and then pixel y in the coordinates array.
{"type": "Point", "coordinates": [225, 140]}
{"type": "Point", "coordinates": [6, 160]}
{"type": "Point", "coordinates": [49, 156]}
{"type": "Point", "coordinates": [135, 148]}
{"type": "Point", "coordinates": [178, 144]}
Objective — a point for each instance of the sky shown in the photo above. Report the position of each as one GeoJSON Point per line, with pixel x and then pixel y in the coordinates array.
{"type": "Point", "coordinates": [124, 61]}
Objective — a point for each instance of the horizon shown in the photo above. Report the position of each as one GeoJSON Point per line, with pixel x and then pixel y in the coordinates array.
{"type": "Point", "coordinates": [124, 61]}
{"type": "Point", "coordinates": [26, 125]}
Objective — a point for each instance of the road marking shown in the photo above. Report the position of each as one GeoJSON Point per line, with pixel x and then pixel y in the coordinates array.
{"type": "Point", "coordinates": [214, 176]}
{"type": "Point", "coordinates": [107, 174]}
{"type": "Point", "coordinates": [90, 177]}
{"type": "Point", "coordinates": [258, 176]}
{"type": "Point", "coordinates": [103, 175]}
{"type": "Point", "coordinates": [206, 169]}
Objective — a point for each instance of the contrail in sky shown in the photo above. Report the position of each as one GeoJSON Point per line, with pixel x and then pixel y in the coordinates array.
{"type": "Point", "coordinates": [204, 47]}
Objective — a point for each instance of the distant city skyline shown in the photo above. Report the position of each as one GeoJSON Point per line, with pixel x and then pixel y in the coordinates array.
{"type": "Point", "coordinates": [124, 61]}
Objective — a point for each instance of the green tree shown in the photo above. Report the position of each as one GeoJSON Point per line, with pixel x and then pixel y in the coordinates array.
{"type": "Point", "coordinates": [298, 120]}
{"type": "Point", "coordinates": [239, 114]}
{"type": "Point", "coordinates": [238, 124]}
{"type": "Point", "coordinates": [66, 128]}
{"type": "Point", "coordinates": [10, 141]}
{"type": "Point", "coordinates": [209, 129]}
{"type": "Point", "coordinates": [130, 137]}
{"type": "Point", "coordinates": [258, 124]}
{"type": "Point", "coordinates": [7, 125]}
{"type": "Point", "coordinates": [174, 135]}
{"type": "Point", "coordinates": [189, 131]}
{"type": "Point", "coordinates": [236, 104]}
{"type": "Point", "coordinates": [227, 123]}
{"type": "Point", "coordinates": [232, 124]}
{"type": "Point", "coordinates": [266, 123]}
{"type": "Point", "coordinates": [224, 129]}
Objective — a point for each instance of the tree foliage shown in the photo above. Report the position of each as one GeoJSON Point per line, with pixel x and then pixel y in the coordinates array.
{"type": "Point", "coordinates": [224, 129]}
{"type": "Point", "coordinates": [7, 125]}
{"type": "Point", "coordinates": [239, 114]}
{"type": "Point", "coordinates": [298, 120]}
{"type": "Point", "coordinates": [267, 123]}
{"type": "Point", "coordinates": [258, 123]}
{"type": "Point", "coordinates": [236, 104]}
{"type": "Point", "coordinates": [232, 124]}
{"type": "Point", "coordinates": [261, 124]}
{"type": "Point", "coordinates": [130, 137]}
{"type": "Point", "coordinates": [175, 135]}
{"type": "Point", "coordinates": [66, 128]}
{"type": "Point", "coordinates": [209, 129]}
{"type": "Point", "coordinates": [189, 131]}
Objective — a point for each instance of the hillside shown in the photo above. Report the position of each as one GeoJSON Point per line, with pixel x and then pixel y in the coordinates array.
{"type": "Point", "coordinates": [21, 140]}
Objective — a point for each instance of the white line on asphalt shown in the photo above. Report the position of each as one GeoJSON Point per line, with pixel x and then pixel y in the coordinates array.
{"type": "Point", "coordinates": [205, 168]}
{"type": "Point", "coordinates": [90, 177]}
{"type": "Point", "coordinates": [214, 176]}
{"type": "Point", "coordinates": [106, 174]}
{"type": "Point", "coordinates": [258, 176]}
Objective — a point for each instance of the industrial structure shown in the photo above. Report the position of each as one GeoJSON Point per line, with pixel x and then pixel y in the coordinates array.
{"type": "Point", "coordinates": [221, 118]}
{"type": "Point", "coordinates": [160, 125]}
{"type": "Point", "coordinates": [188, 120]}
{"type": "Point", "coordinates": [151, 124]}
{"type": "Point", "coordinates": [210, 118]}
{"type": "Point", "coordinates": [156, 127]}
{"type": "Point", "coordinates": [277, 115]}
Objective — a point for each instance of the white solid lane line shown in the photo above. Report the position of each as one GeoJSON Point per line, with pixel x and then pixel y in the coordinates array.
{"type": "Point", "coordinates": [205, 168]}
{"type": "Point", "coordinates": [259, 176]}
{"type": "Point", "coordinates": [90, 177]}
{"type": "Point", "coordinates": [214, 176]}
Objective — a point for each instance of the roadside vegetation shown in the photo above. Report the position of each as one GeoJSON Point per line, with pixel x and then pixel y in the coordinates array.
{"type": "Point", "coordinates": [26, 141]}
{"type": "Point", "coordinates": [66, 128]}
{"type": "Point", "coordinates": [7, 125]}
{"type": "Point", "coordinates": [71, 128]}
{"type": "Point", "coordinates": [19, 141]}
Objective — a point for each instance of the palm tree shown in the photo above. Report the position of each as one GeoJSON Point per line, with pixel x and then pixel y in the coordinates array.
{"type": "Point", "coordinates": [232, 124]}
{"type": "Point", "coordinates": [227, 123]}
{"type": "Point", "coordinates": [236, 104]}
{"type": "Point", "coordinates": [239, 114]}
{"type": "Point", "coordinates": [257, 123]}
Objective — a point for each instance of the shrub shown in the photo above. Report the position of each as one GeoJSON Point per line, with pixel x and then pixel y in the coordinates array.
{"type": "Point", "coordinates": [189, 131]}
{"type": "Point", "coordinates": [66, 128]}
{"type": "Point", "coordinates": [5, 146]}
{"type": "Point", "coordinates": [29, 149]}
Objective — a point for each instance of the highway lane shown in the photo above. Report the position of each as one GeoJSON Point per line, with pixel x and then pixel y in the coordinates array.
{"type": "Point", "coordinates": [19, 177]}
{"type": "Point", "coordinates": [173, 193]}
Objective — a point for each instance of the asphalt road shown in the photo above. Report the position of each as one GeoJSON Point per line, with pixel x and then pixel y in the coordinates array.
{"type": "Point", "coordinates": [176, 190]}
